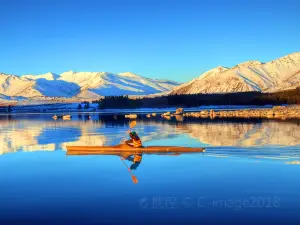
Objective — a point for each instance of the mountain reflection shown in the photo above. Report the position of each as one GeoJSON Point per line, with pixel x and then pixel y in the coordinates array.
{"type": "Point", "coordinates": [42, 133]}
{"type": "Point", "coordinates": [244, 134]}
{"type": "Point", "coordinates": [35, 135]}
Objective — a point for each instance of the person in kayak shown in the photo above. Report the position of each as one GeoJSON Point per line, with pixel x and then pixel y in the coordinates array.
{"type": "Point", "coordinates": [135, 140]}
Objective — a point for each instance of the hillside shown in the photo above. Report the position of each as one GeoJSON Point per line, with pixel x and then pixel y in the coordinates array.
{"type": "Point", "coordinates": [279, 74]}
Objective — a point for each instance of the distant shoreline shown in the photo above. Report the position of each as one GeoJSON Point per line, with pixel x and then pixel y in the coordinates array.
{"type": "Point", "coordinates": [29, 109]}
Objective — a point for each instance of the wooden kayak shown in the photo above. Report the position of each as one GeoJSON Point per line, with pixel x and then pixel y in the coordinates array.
{"type": "Point", "coordinates": [125, 149]}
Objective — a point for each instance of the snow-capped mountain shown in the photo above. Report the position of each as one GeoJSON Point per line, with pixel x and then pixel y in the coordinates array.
{"type": "Point", "coordinates": [280, 74]}
{"type": "Point", "coordinates": [89, 85]}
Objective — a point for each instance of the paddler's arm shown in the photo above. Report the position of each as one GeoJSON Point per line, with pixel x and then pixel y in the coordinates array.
{"type": "Point", "coordinates": [129, 142]}
{"type": "Point", "coordinates": [129, 158]}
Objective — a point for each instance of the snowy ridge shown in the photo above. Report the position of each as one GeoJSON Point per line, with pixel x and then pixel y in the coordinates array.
{"type": "Point", "coordinates": [128, 74]}
{"type": "Point", "coordinates": [85, 85]}
{"type": "Point", "coordinates": [47, 76]}
{"type": "Point", "coordinates": [280, 74]}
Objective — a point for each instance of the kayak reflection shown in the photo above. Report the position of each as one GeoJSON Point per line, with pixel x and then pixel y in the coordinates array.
{"type": "Point", "coordinates": [133, 154]}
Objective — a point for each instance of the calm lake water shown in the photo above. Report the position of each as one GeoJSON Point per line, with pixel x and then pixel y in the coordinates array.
{"type": "Point", "coordinates": [248, 173]}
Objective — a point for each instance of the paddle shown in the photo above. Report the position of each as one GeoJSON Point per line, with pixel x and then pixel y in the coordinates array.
{"type": "Point", "coordinates": [131, 125]}
{"type": "Point", "coordinates": [134, 179]}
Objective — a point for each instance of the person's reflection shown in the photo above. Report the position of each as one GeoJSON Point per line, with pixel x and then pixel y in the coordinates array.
{"type": "Point", "coordinates": [136, 160]}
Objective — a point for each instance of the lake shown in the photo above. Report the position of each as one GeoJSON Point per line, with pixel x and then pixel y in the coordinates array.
{"type": "Point", "coordinates": [248, 174]}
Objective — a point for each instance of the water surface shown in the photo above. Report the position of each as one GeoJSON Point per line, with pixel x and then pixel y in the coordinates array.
{"type": "Point", "coordinates": [247, 174]}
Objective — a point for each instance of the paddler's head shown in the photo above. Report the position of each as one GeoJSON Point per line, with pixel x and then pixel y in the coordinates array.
{"type": "Point", "coordinates": [133, 135]}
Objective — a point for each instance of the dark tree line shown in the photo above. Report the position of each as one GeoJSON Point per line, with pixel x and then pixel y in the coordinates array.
{"type": "Point", "coordinates": [241, 98]}
{"type": "Point", "coordinates": [282, 97]}
{"type": "Point", "coordinates": [176, 100]}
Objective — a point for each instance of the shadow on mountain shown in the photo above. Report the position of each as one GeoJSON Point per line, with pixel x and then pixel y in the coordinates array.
{"type": "Point", "coordinates": [57, 88]}
{"type": "Point", "coordinates": [123, 86]}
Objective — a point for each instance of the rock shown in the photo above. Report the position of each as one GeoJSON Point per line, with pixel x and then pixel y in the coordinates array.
{"type": "Point", "coordinates": [270, 113]}
{"type": "Point", "coordinates": [131, 116]}
{"type": "Point", "coordinates": [204, 114]}
{"type": "Point", "coordinates": [279, 107]}
{"type": "Point", "coordinates": [66, 117]}
{"type": "Point", "coordinates": [166, 114]}
{"type": "Point", "coordinates": [179, 111]}
{"type": "Point", "coordinates": [212, 114]}
{"type": "Point", "coordinates": [280, 112]}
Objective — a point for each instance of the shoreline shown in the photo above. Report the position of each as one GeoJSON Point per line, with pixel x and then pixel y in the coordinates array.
{"type": "Point", "coordinates": [276, 112]}
{"type": "Point", "coordinates": [221, 111]}
{"type": "Point", "coordinates": [72, 108]}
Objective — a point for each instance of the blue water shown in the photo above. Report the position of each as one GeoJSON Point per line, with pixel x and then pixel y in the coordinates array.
{"type": "Point", "coordinates": [243, 177]}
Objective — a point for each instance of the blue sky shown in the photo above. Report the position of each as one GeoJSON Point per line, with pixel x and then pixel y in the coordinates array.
{"type": "Point", "coordinates": [171, 39]}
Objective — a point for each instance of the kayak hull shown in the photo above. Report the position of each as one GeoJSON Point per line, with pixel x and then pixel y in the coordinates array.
{"type": "Point", "coordinates": [120, 149]}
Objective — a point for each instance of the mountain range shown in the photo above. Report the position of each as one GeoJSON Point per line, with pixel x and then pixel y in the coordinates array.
{"type": "Point", "coordinates": [279, 74]}
{"type": "Point", "coordinates": [86, 85]}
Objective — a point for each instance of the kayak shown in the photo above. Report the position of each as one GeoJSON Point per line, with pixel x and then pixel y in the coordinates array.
{"type": "Point", "coordinates": [125, 149]}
